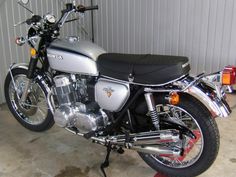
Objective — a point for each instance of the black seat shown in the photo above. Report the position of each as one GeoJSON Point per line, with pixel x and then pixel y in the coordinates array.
{"type": "Point", "coordinates": [143, 69]}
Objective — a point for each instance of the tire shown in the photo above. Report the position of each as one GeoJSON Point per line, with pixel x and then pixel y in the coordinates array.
{"type": "Point", "coordinates": [47, 122]}
{"type": "Point", "coordinates": [210, 147]}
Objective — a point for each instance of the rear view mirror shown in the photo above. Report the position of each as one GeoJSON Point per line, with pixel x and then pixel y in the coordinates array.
{"type": "Point", "coordinates": [24, 1]}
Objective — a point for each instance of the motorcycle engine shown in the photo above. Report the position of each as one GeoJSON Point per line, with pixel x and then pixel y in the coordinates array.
{"type": "Point", "coordinates": [75, 107]}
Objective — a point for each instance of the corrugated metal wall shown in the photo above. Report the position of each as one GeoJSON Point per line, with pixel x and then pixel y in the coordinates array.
{"type": "Point", "coordinates": [203, 30]}
{"type": "Point", "coordinates": [11, 13]}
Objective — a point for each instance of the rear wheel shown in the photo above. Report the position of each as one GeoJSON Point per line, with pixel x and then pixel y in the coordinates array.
{"type": "Point", "coordinates": [34, 113]}
{"type": "Point", "coordinates": [199, 153]}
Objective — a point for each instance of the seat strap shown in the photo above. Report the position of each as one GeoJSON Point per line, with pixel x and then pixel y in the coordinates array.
{"type": "Point", "coordinates": [131, 75]}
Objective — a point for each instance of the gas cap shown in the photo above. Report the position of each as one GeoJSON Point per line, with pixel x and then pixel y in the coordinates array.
{"type": "Point", "coordinates": [72, 39]}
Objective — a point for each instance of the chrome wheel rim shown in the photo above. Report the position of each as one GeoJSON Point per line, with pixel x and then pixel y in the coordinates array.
{"type": "Point", "coordinates": [192, 148]}
{"type": "Point", "coordinates": [35, 110]}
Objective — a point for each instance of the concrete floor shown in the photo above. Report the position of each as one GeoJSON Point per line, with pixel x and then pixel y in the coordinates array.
{"type": "Point", "coordinates": [57, 153]}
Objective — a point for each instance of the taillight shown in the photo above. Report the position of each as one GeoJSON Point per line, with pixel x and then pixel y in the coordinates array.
{"type": "Point", "coordinates": [228, 76]}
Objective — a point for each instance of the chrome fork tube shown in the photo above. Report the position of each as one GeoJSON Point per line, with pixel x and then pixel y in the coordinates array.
{"type": "Point", "coordinates": [152, 109]}
{"type": "Point", "coordinates": [26, 91]}
{"type": "Point", "coordinates": [13, 81]}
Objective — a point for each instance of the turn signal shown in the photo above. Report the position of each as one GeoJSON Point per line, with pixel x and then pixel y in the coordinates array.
{"type": "Point", "coordinates": [33, 52]}
{"type": "Point", "coordinates": [174, 98]}
{"type": "Point", "coordinates": [228, 76]}
{"type": "Point", "coordinates": [20, 41]}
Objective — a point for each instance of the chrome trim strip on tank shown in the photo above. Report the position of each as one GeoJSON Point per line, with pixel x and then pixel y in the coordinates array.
{"type": "Point", "coordinates": [148, 85]}
{"type": "Point", "coordinates": [68, 50]}
{"type": "Point", "coordinates": [84, 47]}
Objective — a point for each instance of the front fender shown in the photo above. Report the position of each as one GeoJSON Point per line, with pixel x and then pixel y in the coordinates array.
{"type": "Point", "coordinates": [207, 94]}
{"type": "Point", "coordinates": [19, 65]}
{"type": "Point", "coordinates": [42, 77]}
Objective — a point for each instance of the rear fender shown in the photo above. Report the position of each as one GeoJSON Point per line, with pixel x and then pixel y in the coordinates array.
{"type": "Point", "coordinates": [206, 93]}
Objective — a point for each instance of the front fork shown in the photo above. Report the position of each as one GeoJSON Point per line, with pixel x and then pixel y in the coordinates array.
{"type": "Point", "coordinates": [30, 74]}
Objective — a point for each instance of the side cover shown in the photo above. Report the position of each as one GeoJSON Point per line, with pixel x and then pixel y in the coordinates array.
{"type": "Point", "coordinates": [111, 95]}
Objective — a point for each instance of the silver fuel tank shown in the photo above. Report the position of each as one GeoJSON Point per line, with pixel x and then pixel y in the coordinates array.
{"type": "Point", "coordinates": [74, 56]}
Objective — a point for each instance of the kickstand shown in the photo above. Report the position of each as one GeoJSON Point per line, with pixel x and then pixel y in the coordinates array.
{"type": "Point", "coordinates": [105, 164]}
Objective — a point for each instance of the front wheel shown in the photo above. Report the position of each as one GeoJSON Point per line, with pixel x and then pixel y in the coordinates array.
{"type": "Point", "coordinates": [34, 113]}
{"type": "Point", "coordinates": [199, 153]}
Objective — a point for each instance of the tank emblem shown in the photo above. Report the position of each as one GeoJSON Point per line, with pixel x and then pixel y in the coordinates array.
{"type": "Point", "coordinates": [108, 91]}
{"type": "Point", "coordinates": [59, 57]}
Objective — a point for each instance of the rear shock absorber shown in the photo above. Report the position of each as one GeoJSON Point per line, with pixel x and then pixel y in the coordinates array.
{"type": "Point", "coordinates": [152, 109]}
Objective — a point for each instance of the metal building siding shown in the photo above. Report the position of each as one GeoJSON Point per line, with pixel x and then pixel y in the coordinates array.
{"type": "Point", "coordinates": [203, 30]}
{"type": "Point", "coordinates": [11, 13]}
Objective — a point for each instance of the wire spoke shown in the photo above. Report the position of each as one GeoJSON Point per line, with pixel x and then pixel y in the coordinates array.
{"type": "Point", "coordinates": [34, 111]}
{"type": "Point", "coordinates": [193, 148]}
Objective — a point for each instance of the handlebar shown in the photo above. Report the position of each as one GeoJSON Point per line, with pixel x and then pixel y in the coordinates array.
{"type": "Point", "coordinates": [33, 19]}
{"type": "Point", "coordinates": [22, 40]}
{"type": "Point", "coordinates": [72, 8]}
{"type": "Point", "coordinates": [82, 9]}
{"type": "Point", "coordinates": [43, 28]}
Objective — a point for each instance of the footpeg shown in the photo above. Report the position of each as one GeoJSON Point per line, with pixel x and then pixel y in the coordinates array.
{"type": "Point", "coordinates": [89, 134]}
{"type": "Point", "coordinates": [120, 150]}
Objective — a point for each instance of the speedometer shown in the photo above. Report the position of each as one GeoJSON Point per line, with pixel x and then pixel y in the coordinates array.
{"type": "Point", "coordinates": [50, 18]}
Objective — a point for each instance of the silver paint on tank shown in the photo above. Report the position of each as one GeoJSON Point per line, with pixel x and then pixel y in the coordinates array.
{"type": "Point", "coordinates": [74, 56]}
{"type": "Point", "coordinates": [111, 95]}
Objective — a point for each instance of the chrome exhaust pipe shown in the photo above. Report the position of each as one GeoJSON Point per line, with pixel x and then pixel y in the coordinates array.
{"type": "Point", "coordinates": [159, 137]}
{"type": "Point", "coordinates": [146, 142]}
{"type": "Point", "coordinates": [51, 103]}
{"type": "Point", "coordinates": [159, 150]}
{"type": "Point", "coordinates": [148, 138]}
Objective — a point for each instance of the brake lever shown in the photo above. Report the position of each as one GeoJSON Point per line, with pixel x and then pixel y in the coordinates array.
{"type": "Point", "coordinates": [20, 23]}
{"type": "Point", "coordinates": [22, 5]}
{"type": "Point", "coordinates": [71, 20]}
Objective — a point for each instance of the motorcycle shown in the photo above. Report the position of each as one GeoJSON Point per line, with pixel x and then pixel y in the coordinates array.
{"type": "Point", "coordinates": [146, 103]}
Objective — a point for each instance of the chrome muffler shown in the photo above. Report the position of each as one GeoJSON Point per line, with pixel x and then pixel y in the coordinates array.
{"type": "Point", "coordinates": [146, 142]}
{"type": "Point", "coordinates": [159, 150]}
{"type": "Point", "coordinates": [148, 138]}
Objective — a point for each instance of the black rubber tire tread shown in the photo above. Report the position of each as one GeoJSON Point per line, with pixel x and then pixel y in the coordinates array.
{"type": "Point", "coordinates": [211, 142]}
{"type": "Point", "coordinates": [46, 124]}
